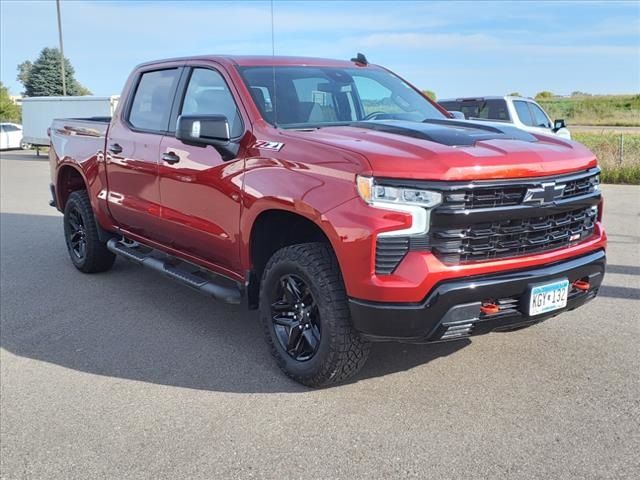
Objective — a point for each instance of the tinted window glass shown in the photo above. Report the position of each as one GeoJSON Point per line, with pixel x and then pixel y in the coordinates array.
{"type": "Point", "coordinates": [376, 97]}
{"type": "Point", "coordinates": [450, 106]}
{"type": "Point", "coordinates": [539, 117]}
{"type": "Point", "coordinates": [523, 113]}
{"type": "Point", "coordinates": [152, 101]}
{"type": "Point", "coordinates": [10, 128]}
{"type": "Point", "coordinates": [494, 109]}
{"type": "Point", "coordinates": [208, 94]}
{"type": "Point", "coordinates": [299, 97]}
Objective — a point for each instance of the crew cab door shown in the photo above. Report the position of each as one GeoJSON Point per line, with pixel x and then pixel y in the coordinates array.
{"type": "Point", "coordinates": [200, 191]}
{"type": "Point", "coordinates": [133, 151]}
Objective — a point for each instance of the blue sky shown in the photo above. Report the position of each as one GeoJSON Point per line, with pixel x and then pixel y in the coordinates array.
{"type": "Point", "coordinates": [453, 48]}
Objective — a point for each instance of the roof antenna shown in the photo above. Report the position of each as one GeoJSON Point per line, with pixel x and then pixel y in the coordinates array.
{"type": "Point", "coordinates": [273, 68]}
{"type": "Point", "coordinates": [360, 59]}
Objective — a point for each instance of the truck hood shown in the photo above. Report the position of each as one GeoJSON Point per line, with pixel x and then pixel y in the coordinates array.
{"type": "Point", "coordinates": [453, 149]}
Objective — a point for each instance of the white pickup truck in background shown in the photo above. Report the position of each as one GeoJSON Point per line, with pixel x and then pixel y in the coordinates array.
{"type": "Point", "coordinates": [523, 113]}
{"type": "Point", "coordinates": [39, 112]}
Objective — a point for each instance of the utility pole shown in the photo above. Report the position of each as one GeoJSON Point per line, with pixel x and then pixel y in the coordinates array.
{"type": "Point", "coordinates": [64, 80]}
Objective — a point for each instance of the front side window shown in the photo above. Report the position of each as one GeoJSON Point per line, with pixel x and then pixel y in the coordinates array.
{"type": "Point", "coordinates": [11, 128]}
{"type": "Point", "coordinates": [311, 97]}
{"type": "Point", "coordinates": [539, 117]}
{"type": "Point", "coordinates": [524, 114]}
{"type": "Point", "coordinates": [152, 100]}
{"type": "Point", "coordinates": [208, 94]}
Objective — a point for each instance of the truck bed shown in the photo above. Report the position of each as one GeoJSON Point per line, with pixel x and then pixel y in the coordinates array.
{"type": "Point", "coordinates": [89, 139]}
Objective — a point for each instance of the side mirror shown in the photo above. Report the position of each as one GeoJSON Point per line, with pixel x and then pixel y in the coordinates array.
{"type": "Point", "coordinates": [457, 115]}
{"type": "Point", "coordinates": [207, 130]}
{"type": "Point", "coordinates": [558, 124]}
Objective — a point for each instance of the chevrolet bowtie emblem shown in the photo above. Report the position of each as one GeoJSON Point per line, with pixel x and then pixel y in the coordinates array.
{"type": "Point", "coordinates": [546, 193]}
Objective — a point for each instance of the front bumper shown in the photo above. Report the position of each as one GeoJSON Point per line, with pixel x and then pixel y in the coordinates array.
{"type": "Point", "coordinates": [452, 309]}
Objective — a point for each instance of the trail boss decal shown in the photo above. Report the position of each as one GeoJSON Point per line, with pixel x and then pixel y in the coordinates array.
{"type": "Point", "coordinates": [276, 146]}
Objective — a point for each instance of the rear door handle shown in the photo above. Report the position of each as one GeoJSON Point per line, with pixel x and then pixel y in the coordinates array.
{"type": "Point", "coordinates": [115, 148]}
{"type": "Point", "coordinates": [170, 157]}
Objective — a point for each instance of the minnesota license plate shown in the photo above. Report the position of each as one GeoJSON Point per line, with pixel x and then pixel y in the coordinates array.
{"type": "Point", "coordinates": [548, 297]}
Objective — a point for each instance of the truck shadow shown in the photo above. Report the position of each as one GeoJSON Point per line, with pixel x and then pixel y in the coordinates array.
{"type": "Point", "coordinates": [133, 324]}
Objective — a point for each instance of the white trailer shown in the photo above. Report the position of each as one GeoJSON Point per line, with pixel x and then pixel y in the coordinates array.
{"type": "Point", "coordinates": [39, 112]}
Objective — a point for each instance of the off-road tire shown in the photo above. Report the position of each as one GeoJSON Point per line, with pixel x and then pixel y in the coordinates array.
{"type": "Point", "coordinates": [96, 257]}
{"type": "Point", "coordinates": [342, 352]}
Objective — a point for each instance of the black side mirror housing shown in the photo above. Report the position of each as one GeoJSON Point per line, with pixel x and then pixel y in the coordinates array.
{"type": "Point", "coordinates": [558, 124]}
{"type": "Point", "coordinates": [201, 130]}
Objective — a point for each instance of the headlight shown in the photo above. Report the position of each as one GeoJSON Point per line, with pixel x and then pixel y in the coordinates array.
{"type": "Point", "coordinates": [415, 202]}
{"type": "Point", "coordinates": [372, 193]}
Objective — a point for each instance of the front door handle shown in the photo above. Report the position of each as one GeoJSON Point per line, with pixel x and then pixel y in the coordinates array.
{"type": "Point", "coordinates": [115, 148]}
{"type": "Point", "coordinates": [170, 157]}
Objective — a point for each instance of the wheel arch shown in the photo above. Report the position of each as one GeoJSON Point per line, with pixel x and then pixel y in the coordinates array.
{"type": "Point", "coordinates": [68, 179]}
{"type": "Point", "coordinates": [275, 228]}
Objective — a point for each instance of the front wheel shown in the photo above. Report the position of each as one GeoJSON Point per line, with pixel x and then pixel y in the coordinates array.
{"type": "Point", "coordinates": [305, 316]}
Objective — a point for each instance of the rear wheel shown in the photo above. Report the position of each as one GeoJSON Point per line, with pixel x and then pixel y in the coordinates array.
{"type": "Point", "coordinates": [87, 252]}
{"type": "Point", "coordinates": [305, 316]}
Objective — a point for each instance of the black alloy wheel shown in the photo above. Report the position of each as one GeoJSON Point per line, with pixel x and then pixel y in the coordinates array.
{"type": "Point", "coordinates": [296, 319]}
{"type": "Point", "coordinates": [77, 234]}
{"type": "Point", "coordinates": [88, 253]}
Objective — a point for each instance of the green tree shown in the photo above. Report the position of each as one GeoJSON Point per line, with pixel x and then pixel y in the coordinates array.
{"type": "Point", "coordinates": [544, 95]}
{"type": "Point", "coordinates": [430, 93]}
{"type": "Point", "coordinates": [514, 94]}
{"type": "Point", "coordinates": [9, 111]}
{"type": "Point", "coordinates": [43, 77]}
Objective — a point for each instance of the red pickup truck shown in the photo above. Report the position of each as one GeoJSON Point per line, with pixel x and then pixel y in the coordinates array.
{"type": "Point", "coordinates": [335, 198]}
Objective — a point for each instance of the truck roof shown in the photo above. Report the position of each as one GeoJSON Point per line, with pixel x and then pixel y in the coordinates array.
{"type": "Point", "coordinates": [259, 60]}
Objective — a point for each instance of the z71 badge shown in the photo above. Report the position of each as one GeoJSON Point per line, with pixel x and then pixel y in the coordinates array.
{"type": "Point", "coordinates": [277, 146]}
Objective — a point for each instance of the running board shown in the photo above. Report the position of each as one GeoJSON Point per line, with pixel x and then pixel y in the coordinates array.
{"type": "Point", "coordinates": [186, 273]}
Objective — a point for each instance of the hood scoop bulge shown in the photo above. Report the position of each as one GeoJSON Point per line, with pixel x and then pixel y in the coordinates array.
{"type": "Point", "coordinates": [454, 133]}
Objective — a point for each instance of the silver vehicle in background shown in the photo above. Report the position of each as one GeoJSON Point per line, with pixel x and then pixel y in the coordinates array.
{"type": "Point", "coordinates": [11, 136]}
{"type": "Point", "coordinates": [523, 113]}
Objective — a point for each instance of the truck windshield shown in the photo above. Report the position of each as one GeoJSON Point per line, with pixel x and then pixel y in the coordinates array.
{"type": "Point", "coordinates": [313, 97]}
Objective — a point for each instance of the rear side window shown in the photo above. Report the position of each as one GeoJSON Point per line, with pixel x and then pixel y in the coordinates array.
{"type": "Point", "coordinates": [524, 114]}
{"type": "Point", "coordinates": [208, 94]}
{"type": "Point", "coordinates": [10, 128]}
{"type": "Point", "coordinates": [152, 101]}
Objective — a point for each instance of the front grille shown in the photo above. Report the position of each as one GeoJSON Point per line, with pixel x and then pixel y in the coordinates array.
{"type": "Point", "coordinates": [581, 186]}
{"type": "Point", "coordinates": [480, 221]}
{"type": "Point", "coordinates": [485, 197]}
{"type": "Point", "coordinates": [506, 195]}
{"type": "Point", "coordinates": [512, 237]}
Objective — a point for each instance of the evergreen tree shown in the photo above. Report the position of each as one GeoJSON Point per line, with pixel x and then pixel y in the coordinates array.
{"type": "Point", "coordinates": [9, 111]}
{"type": "Point", "coordinates": [43, 77]}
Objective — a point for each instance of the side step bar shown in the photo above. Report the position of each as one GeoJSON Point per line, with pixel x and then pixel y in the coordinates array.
{"type": "Point", "coordinates": [205, 282]}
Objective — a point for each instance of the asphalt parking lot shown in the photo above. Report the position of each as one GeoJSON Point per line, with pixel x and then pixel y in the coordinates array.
{"type": "Point", "coordinates": [129, 375]}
